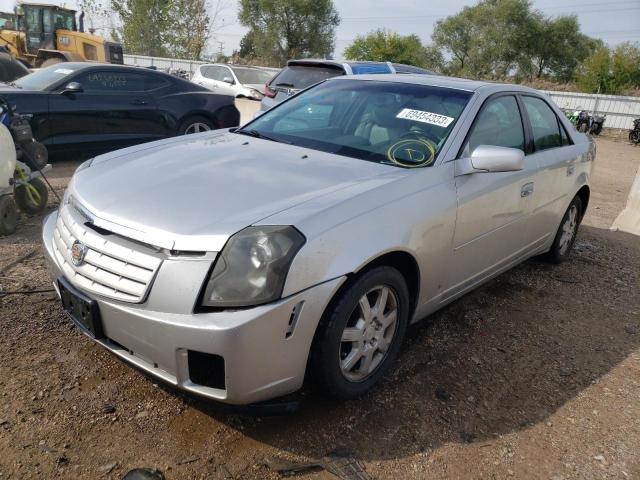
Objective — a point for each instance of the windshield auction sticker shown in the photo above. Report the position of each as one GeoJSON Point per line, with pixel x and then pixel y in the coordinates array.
{"type": "Point", "coordinates": [425, 117]}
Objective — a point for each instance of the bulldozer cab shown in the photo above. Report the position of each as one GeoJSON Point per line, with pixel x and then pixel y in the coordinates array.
{"type": "Point", "coordinates": [40, 23]}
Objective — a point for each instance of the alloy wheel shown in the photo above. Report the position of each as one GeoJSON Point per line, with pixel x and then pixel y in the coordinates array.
{"type": "Point", "coordinates": [569, 228]}
{"type": "Point", "coordinates": [369, 333]}
{"type": "Point", "coordinates": [197, 127]}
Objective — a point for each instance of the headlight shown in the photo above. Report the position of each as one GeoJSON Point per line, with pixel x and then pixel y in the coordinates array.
{"type": "Point", "coordinates": [252, 267]}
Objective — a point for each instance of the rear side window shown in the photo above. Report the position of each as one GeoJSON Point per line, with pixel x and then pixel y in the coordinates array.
{"type": "Point", "coordinates": [112, 81]}
{"type": "Point", "coordinates": [544, 124]}
{"type": "Point", "coordinates": [301, 77]}
{"type": "Point", "coordinates": [499, 123]}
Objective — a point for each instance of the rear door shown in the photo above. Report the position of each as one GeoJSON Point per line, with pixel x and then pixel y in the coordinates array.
{"type": "Point", "coordinates": [556, 156]}
{"type": "Point", "coordinates": [493, 208]}
{"type": "Point", "coordinates": [113, 111]}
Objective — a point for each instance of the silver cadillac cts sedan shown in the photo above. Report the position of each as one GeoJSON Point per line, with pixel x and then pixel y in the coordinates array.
{"type": "Point", "coordinates": [231, 263]}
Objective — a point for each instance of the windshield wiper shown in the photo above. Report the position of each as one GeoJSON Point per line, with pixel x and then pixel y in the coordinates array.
{"type": "Point", "coordinates": [290, 85]}
{"type": "Point", "coordinates": [256, 134]}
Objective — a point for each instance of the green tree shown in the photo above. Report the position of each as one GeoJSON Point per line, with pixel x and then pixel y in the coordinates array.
{"type": "Point", "coordinates": [383, 46]}
{"type": "Point", "coordinates": [285, 29]}
{"type": "Point", "coordinates": [508, 38]}
{"type": "Point", "coordinates": [625, 66]}
{"type": "Point", "coordinates": [595, 74]}
{"type": "Point", "coordinates": [189, 28]}
{"type": "Point", "coordinates": [144, 25]}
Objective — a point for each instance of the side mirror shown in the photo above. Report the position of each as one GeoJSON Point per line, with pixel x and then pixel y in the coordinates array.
{"type": "Point", "coordinates": [228, 80]}
{"type": "Point", "coordinates": [490, 158]}
{"type": "Point", "coordinates": [71, 88]}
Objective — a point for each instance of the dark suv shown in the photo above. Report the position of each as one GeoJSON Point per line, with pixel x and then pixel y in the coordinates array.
{"type": "Point", "coordinates": [300, 74]}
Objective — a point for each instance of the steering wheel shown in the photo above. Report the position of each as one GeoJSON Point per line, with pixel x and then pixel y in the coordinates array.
{"type": "Point", "coordinates": [412, 152]}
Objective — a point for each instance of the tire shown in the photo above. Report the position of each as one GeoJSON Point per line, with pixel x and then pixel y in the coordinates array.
{"type": "Point", "coordinates": [583, 127]}
{"type": "Point", "coordinates": [567, 232]}
{"type": "Point", "coordinates": [634, 136]}
{"type": "Point", "coordinates": [8, 215]}
{"type": "Point", "coordinates": [25, 203]}
{"type": "Point", "coordinates": [35, 155]}
{"type": "Point", "coordinates": [51, 61]}
{"type": "Point", "coordinates": [195, 124]}
{"type": "Point", "coordinates": [340, 366]}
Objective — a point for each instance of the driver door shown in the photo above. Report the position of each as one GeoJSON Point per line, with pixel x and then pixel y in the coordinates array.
{"type": "Point", "coordinates": [113, 111]}
{"type": "Point", "coordinates": [493, 208]}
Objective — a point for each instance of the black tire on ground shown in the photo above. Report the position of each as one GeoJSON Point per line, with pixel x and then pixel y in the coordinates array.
{"type": "Point", "coordinates": [35, 155]}
{"type": "Point", "coordinates": [583, 127]}
{"type": "Point", "coordinates": [567, 232]}
{"type": "Point", "coordinates": [195, 124]}
{"type": "Point", "coordinates": [25, 203]}
{"type": "Point", "coordinates": [51, 61]}
{"type": "Point", "coordinates": [8, 215]}
{"type": "Point", "coordinates": [328, 349]}
{"type": "Point", "coordinates": [634, 136]}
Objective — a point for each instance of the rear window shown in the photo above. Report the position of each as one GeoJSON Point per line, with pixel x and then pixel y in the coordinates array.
{"type": "Point", "coordinates": [301, 77]}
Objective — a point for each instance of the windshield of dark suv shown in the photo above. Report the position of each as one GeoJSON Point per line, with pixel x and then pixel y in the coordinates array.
{"type": "Point", "coordinates": [401, 124]}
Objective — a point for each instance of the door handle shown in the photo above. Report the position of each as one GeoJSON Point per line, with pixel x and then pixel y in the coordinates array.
{"type": "Point", "coordinates": [139, 101]}
{"type": "Point", "coordinates": [527, 189]}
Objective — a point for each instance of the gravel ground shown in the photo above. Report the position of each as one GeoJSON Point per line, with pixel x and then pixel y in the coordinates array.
{"type": "Point", "coordinates": [534, 375]}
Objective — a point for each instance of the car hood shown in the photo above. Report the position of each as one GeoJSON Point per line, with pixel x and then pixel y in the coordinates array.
{"type": "Point", "coordinates": [192, 193]}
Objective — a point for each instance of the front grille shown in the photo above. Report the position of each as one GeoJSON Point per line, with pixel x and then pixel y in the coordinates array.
{"type": "Point", "coordinates": [113, 267]}
{"type": "Point", "coordinates": [114, 54]}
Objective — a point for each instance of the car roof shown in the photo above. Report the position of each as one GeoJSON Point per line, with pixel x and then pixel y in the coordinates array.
{"type": "Point", "coordinates": [437, 81]}
{"type": "Point", "coordinates": [230, 65]}
{"type": "Point", "coordinates": [79, 66]}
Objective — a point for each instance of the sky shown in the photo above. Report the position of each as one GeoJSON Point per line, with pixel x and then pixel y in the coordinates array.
{"type": "Point", "coordinates": [613, 21]}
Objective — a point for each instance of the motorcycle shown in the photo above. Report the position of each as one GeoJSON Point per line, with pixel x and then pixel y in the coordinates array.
{"type": "Point", "coordinates": [634, 133]}
{"type": "Point", "coordinates": [596, 124]}
{"type": "Point", "coordinates": [586, 123]}
{"type": "Point", "coordinates": [23, 162]}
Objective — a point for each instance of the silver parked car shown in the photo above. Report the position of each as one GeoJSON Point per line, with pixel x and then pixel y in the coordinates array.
{"type": "Point", "coordinates": [236, 80]}
{"type": "Point", "coordinates": [229, 263]}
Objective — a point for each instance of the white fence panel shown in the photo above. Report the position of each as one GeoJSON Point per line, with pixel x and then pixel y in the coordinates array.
{"type": "Point", "coordinates": [620, 111]}
{"type": "Point", "coordinates": [162, 63]}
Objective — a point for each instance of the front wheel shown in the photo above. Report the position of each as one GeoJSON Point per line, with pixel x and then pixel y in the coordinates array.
{"type": "Point", "coordinates": [360, 334]}
{"type": "Point", "coordinates": [567, 232]}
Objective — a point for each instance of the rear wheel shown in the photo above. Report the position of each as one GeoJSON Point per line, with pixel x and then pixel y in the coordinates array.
{"type": "Point", "coordinates": [8, 215]}
{"type": "Point", "coordinates": [567, 232]}
{"type": "Point", "coordinates": [360, 334]}
{"type": "Point", "coordinates": [32, 198]}
{"type": "Point", "coordinates": [195, 124]}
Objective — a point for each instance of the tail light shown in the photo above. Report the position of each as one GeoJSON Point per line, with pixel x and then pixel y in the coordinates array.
{"type": "Point", "coordinates": [268, 92]}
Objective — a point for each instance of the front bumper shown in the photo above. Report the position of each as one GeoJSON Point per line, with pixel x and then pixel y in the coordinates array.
{"type": "Point", "coordinates": [265, 356]}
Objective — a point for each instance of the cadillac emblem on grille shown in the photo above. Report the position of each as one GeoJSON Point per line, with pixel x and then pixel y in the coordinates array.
{"type": "Point", "coordinates": [78, 251]}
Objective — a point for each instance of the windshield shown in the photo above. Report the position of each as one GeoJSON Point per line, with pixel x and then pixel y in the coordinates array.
{"type": "Point", "coordinates": [301, 77]}
{"type": "Point", "coordinates": [248, 76]}
{"type": "Point", "coordinates": [400, 124]}
{"type": "Point", "coordinates": [47, 77]}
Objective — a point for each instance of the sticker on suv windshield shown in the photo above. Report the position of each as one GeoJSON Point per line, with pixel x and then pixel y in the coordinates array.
{"type": "Point", "coordinates": [425, 117]}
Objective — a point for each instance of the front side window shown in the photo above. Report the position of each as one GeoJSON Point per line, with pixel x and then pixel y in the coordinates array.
{"type": "Point", "coordinates": [399, 124]}
{"type": "Point", "coordinates": [544, 124]}
{"type": "Point", "coordinates": [499, 124]}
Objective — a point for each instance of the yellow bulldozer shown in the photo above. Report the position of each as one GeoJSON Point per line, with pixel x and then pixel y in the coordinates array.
{"type": "Point", "coordinates": [40, 35]}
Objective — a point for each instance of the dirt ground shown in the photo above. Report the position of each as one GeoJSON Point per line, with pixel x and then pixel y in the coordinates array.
{"type": "Point", "coordinates": [534, 375]}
